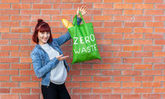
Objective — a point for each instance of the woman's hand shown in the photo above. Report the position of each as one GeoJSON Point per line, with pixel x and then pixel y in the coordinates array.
{"type": "Point", "coordinates": [61, 57]}
{"type": "Point", "coordinates": [82, 9]}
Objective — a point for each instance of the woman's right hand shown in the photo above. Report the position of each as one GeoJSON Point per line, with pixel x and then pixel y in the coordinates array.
{"type": "Point", "coordinates": [61, 57]}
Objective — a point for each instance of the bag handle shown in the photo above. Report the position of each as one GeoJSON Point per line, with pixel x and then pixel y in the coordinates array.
{"type": "Point", "coordinates": [75, 19]}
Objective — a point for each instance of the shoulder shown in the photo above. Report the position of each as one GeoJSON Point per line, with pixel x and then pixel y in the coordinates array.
{"type": "Point", "coordinates": [35, 50]}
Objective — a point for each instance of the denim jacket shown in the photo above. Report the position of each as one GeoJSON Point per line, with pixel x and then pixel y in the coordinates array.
{"type": "Point", "coordinates": [42, 64]}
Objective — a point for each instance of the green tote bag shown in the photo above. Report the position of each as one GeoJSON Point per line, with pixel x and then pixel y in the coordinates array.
{"type": "Point", "coordinates": [84, 41]}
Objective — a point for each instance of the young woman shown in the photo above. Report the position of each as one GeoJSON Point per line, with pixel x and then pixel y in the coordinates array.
{"type": "Point", "coordinates": [48, 60]}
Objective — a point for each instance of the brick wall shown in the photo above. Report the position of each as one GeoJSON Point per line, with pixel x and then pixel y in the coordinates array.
{"type": "Point", "coordinates": [130, 37]}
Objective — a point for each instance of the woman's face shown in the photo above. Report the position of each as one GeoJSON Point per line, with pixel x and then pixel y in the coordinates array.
{"type": "Point", "coordinates": [43, 37]}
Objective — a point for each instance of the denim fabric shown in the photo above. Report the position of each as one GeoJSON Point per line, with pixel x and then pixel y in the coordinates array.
{"type": "Point", "coordinates": [42, 65]}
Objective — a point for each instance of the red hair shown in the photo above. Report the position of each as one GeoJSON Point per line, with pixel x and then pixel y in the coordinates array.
{"type": "Point", "coordinates": [41, 26]}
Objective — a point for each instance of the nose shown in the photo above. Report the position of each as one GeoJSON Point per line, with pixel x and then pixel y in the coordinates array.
{"type": "Point", "coordinates": [45, 34]}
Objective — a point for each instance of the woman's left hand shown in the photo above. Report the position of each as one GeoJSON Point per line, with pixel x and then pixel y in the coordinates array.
{"type": "Point", "coordinates": [82, 9]}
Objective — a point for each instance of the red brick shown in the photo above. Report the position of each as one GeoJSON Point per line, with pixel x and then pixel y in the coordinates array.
{"type": "Point", "coordinates": [20, 30]}
{"type": "Point", "coordinates": [153, 1]}
{"type": "Point", "coordinates": [20, 66]}
{"type": "Point", "coordinates": [113, 36]}
{"type": "Point", "coordinates": [123, 6]}
{"type": "Point", "coordinates": [123, 78]}
{"type": "Point", "coordinates": [30, 12]}
{"type": "Point", "coordinates": [141, 90]}
{"type": "Point", "coordinates": [108, 72]}
{"type": "Point", "coordinates": [142, 66]}
{"type": "Point", "coordinates": [152, 72]}
{"type": "Point", "coordinates": [10, 1]}
{"type": "Point", "coordinates": [20, 90]}
{"type": "Point", "coordinates": [159, 30]}
{"type": "Point", "coordinates": [27, 72]}
{"type": "Point", "coordinates": [4, 90]}
{"type": "Point", "coordinates": [111, 84]}
{"type": "Point", "coordinates": [122, 66]}
{"type": "Point", "coordinates": [9, 84]}
{"type": "Point", "coordinates": [132, 48]}
{"type": "Point", "coordinates": [81, 78]}
{"type": "Point", "coordinates": [142, 42]}
{"type": "Point", "coordinates": [143, 54]}
{"type": "Point", "coordinates": [29, 84]}
{"type": "Point", "coordinates": [30, 1]}
{"type": "Point", "coordinates": [144, 78]}
{"type": "Point", "coordinates": [131, 96]}
{"type": "Point", "coordinates": [122, 90]}
{"type": "Point", "coordinates": [96, 78]}
{"type": "Point", "coordinates": [91, 96]}
{"type": "Point", "coordinates": [122, 54]}
{"type": "Point", "coordinates": [102, 30]}
{"type": "Point", "coordinates": [112, 96]}
{"type": "Point", "coordinates": [5, 6]}
{"type": "Point", "coordinates": [152, 48]}
{"type": "Point", "coordinates": [144, 6]}
{"type": "Point", "coordinates": [159, 18]}
{"type": "Point", "coordinates": [111, 48]}
{"type": "Point", "coordinates": [9, 12]}
{"type": "Point", "coordinates": [112, 1]}
{"type": "Point", "coordinates": [7, 96]}
{"type": "Point", "coordinates": [153, 12]}
{"type": "Point", "coordinates": [152, 60]}
{"type": "Point", "coordinates": [159, 78]}
{"type": "Point", "coordinates": [131, 84]}
{"type": "Point", "coordinates": [41, 6]}
{"type": "Point", "coordinates": [123, 18]}
{"type": "Point", "coordinates": [131, 72]}
{"type": "Point", "coordinates": [154, 24]}
{"type": "Point", "coordinates": [4, 66]}
{"type": "Point", "coordinates": [92, 1]}
{"type": "Point", "coordinates": [154, 36]}
{"type": "Point", "coordinates": [134, 36]}
{"type": "Point", "coordinates": [90, 85]}
{"type": "Point", "coordinates": [120, 42]}
{"type": "Point", "coordinates": [25, 60]}
{"type": "Point", "coordinates": [104, 6]}
{"type": "Point", "coordinates": [91, 72]}
{"type": "Point", "coordinates": [102, 66]}
{"type": "Point", "coordinates": [100, 91]}
{"type": "Point", "coordinates": [112, 12]}
{"type": "Point", "coordinates": [151, 84]}
{"type": "Point", "coordinates": [8, 72]}
{"type": "Point", "coordinates": [62, 6]}
{"type": "Point", "coordinates": [159, 66]}
{"type": "Point", "coordinates": [4, 78]}
{"type": "Point", "coordinates": [9, 60]}
{"type": "Point", "coordinates": [122, 30]}
{"type": "Point", "coordinates": [71, 1]}
{"type": "Point", "coordinates": [104, 42]}
{"type": "Point", "coordinates": [4, 54]}
{"type": "Point", "coordinates": [10, 24]}
{"type": "Point", "coordinates": [30, 96]}
{"type": "Point", "coordinates": [11, 36]}
{"type": "Point", "coordinates": [96, 18]}
{"type": "Point", "coordinates": [112, 60]}
{"type": "Point", "coordinates": [106, 54]}
{"type": "Point", "coordinates": [21, 6]}
{"type": "Point", "coordinates": [3, 18]}
{"type": "Point", "coordinates": [36, 90]}
{"type": "Point", "coordinates": [20, 78]}
{"type": "Point", "coordinates": [159, 54]}
{"type": "Point", "coordinates": [151, 96]}
{"type": "Point", "coordinates": [133, 12]}
{"type": "Point", "coordinates": [143, 18]}
{"type": "Point", "coordinates": [81, 90]}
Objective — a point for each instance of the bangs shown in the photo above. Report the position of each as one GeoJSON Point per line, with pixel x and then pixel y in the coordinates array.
{"type": "Point", "coordinates": [44, 28]}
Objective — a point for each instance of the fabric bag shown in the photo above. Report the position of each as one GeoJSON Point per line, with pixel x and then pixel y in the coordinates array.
{"type": "Point", "coordinates": [84, 41]}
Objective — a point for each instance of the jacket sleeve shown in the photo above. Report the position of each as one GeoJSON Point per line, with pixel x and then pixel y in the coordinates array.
{"type": "Point", "coordinates": [64, 38]}
{"type": "Point", "coordinates": [40, 70]}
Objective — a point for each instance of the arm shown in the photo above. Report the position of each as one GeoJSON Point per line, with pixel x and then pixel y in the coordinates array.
{"type": "Point", "coordinates": [62, 39]}
{"type": "Point", "coordinates": [40, 70]}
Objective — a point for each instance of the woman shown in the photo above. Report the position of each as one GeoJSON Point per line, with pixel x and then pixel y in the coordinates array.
{"type": "Point", "coordinates": [48, 60]}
